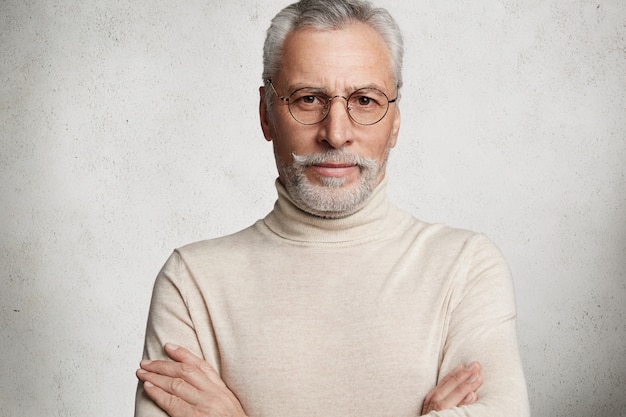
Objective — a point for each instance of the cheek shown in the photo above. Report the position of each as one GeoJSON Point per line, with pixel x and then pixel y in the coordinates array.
{"type": "Point", "coordinates": [381, 143]}
{"type": "Point", "coordinates": [295, 138]}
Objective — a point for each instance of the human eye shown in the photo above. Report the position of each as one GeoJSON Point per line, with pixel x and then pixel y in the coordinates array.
{"type": "Point", "coordinates": [310, 99]}
{"type": "Point", "coordinates": [307, 98]}
{"type": "Point", "coordinates": [367, 98]}
{"type": "Point", "coordinates": [364, 100]}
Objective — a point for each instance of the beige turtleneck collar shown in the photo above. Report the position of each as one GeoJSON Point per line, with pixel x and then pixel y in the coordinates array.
{"type": "Point", "coordinates": [376, 217]}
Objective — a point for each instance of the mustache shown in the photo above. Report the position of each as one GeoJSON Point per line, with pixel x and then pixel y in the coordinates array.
{"type": "Point", "coordinates": [333, 155]}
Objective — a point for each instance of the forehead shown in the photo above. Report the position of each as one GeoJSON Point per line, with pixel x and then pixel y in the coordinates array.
{"type": "Point", "coordinates": [354, 56]}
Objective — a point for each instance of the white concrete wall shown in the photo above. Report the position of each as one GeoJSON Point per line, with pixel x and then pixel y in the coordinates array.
{"type": "Point", "coordinates": [130, 128]}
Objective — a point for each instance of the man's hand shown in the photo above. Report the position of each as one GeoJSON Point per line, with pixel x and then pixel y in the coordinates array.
{"type": "Point", "coordinates": [187, 386]}
{"type": "Point", "coordinates": [455, 389]}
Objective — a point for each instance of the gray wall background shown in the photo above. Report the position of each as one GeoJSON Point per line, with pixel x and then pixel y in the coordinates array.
{"type": "Point", "coordinates": [130, 128]}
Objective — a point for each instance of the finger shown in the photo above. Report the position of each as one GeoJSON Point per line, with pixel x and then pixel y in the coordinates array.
{"type": "Point", "coordinates": [450, 375]}
{"type": "Point", "coordinates": [169, 387]}
{"type": "Point", "coordinates": [464, 378]}
{"type": "Point", "coordinates": [470, 398]}
{"type": "Point", "coordinates": [455, 389]}
{"type": "Point", "coordinates": [180, 354]}
{"type": "Point", "coordinates": [179, 398]}
{"type": "Point", "coordinates": [443, 382]}
{"type": "Point", "coordinates": [185, 365]}
{"type": "Point", "coordinates": [189, 373]}
{"type": "Point", "coordinates": [174, 406]}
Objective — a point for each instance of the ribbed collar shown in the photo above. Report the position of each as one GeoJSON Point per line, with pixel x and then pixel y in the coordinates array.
{"type": "Point", "coordinates": [290, 222]}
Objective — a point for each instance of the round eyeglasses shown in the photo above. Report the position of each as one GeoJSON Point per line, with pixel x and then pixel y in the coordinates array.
{"type": "Point", "coordinates": [309, 106]}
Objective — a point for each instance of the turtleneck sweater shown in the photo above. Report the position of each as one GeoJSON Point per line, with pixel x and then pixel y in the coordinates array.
{"type": "Point", "coordinates": [358, 316]}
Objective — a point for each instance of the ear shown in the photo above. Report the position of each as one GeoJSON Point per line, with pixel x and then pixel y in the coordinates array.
{"type": "Point", "coordinates": [395, 129]}
{"type": "Point", "coordinates": [264, 115]}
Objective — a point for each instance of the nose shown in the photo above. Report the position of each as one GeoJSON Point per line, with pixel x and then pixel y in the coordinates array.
{"type": "Point", "coordinates": [338, 126]}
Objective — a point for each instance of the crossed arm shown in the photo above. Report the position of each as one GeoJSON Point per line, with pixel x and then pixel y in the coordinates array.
{"type": "Point", "coordinates": [188, 386]}
{"type": "Point", "coordinates": [481, 325]}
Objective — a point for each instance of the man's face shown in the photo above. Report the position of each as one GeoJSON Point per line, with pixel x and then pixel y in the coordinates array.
{"type": "Point", "coordinates": [330, 168]}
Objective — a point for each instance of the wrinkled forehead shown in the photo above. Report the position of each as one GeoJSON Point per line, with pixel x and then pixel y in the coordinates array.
{"type": "Point", "coordinates": [354, 56]}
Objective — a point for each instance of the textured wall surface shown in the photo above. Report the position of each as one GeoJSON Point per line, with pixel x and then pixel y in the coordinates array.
{"type": "Point", "coordinates": [130, 128]}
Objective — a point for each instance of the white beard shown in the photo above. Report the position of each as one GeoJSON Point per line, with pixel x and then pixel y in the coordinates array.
{"type": "Point", "coordinates": [331, 198]}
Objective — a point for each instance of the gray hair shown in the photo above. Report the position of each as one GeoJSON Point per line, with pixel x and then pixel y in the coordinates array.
{"type": "Point", "coordinates": [329, 15]}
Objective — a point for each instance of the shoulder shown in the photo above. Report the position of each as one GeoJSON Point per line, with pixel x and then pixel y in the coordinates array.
{"type": "Point", "coordinates": [220, 245]}
{"type": "Point", "coordinates": [440, 234]}
{"type": "Point", "coordinates": [467, 240]}
{"type": "Point", "coordinates": [441, 242]}
{"type": "Point", "coordinates": [474, 257]}
{"type": "Point", "coordinates": [209, 257]}
{"type": "Point", "coordinates": [211, 254]}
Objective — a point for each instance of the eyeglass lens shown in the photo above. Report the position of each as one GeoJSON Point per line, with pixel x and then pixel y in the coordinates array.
{"type": "Point", "coordinates": [365, 106]}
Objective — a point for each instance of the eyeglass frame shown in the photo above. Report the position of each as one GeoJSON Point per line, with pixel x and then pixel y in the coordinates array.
{"type": "Point", "coordinates": [327, 106]}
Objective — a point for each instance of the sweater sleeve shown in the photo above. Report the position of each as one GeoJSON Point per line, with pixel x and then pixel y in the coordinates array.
{"type": "Point", "coordinates": [169, 320]}
{"type": "Point", "coordinates": [482, 328]}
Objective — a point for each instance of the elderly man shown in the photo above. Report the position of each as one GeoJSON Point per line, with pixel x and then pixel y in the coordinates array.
{"type": "Point", "coordinates": [336, 303]}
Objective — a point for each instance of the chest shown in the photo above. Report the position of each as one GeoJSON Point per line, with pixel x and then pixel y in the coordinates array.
{"type": "Point", "coordinates": [329, 328]}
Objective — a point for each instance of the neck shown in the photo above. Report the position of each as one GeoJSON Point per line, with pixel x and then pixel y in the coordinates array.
{"type": "Point", "coordinates": [373, 218]}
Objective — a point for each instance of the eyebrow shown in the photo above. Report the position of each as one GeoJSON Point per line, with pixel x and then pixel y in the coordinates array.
{"type": "Point", "coordinates": [351, 89]}
{"type": "Point", "coordinates": [310, 88]}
